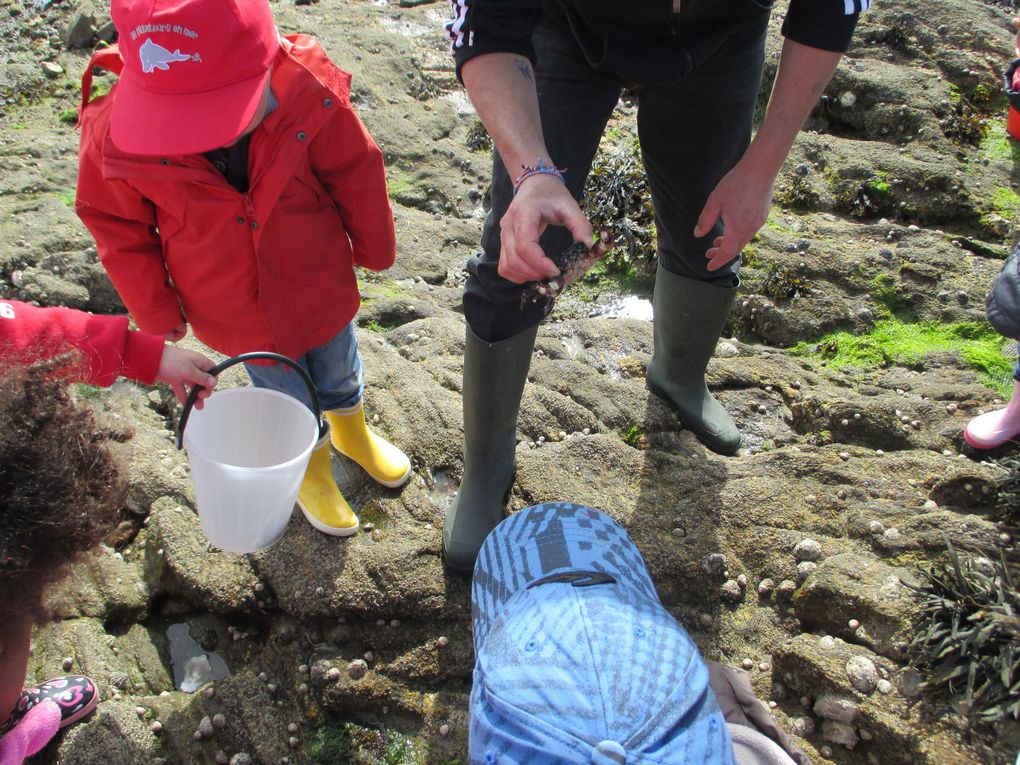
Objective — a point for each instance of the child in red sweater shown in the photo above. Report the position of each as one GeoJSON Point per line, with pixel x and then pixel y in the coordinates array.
{"type": "Point", "coordinates": [59, 489]}
{"type": "Point", "coordinates": [105, 348]}
{"type": "Point", "coordinates": [59, 496]}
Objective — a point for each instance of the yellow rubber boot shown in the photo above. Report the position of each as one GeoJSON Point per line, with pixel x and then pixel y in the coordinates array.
{"type": "Point", "coordinates": [352, 438]}
{"type": "Point", "coordinates": [320, 499]}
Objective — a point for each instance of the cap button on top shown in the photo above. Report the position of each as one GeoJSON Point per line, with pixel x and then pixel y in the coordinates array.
{"type": "Point", "coordinates": [301, 135]}
{"type": "Point", "coordinates": [608, 752]}
{"type": "Point", "coordinates": [327, 102]}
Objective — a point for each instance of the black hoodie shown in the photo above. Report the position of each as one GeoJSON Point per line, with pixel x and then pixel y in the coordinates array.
{"type": "Point", "coordinates": [642, 41]}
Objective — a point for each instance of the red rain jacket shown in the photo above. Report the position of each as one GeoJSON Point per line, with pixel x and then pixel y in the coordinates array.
{"type": "Point", "coordinates": [271, 269]}
{"type": "Point", "coordinates": [108, 348]}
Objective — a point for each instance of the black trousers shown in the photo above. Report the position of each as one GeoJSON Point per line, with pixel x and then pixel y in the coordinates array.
{"type": "Point", "coordinates": [692, 132]}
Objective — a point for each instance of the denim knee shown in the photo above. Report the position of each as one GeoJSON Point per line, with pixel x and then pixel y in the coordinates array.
{"type": "Point", "coordinates": [336, 370]}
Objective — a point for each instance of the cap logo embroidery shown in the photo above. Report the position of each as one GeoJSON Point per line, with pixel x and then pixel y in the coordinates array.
{"type": "Point", "coordinates": [576, 578]}
{"type": "Point", "coordinates": [154, 56]}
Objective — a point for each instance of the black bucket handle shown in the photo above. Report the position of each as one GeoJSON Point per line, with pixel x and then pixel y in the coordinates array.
{"type": "Point", "coordinates": [253, 356]}
{"type": "Point", "coordinates": [1007, 82]}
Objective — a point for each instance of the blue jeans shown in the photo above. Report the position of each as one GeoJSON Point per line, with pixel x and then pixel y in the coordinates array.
{"type": "Point", "coordinates": [692, 131]}
{"type": "Point", "coordinates": [1016, 366]}
{"type": "Point", "coordinates": [336, 370]}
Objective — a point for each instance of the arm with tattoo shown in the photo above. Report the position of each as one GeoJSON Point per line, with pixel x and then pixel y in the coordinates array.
{"type": "Point", "coordinates": [502, 88]}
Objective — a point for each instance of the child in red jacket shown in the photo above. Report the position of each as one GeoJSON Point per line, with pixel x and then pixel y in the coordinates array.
{"type": "Point", "coordinates": [230, 185]}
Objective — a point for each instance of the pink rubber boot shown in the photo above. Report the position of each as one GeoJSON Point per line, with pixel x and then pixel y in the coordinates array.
{"type": "Point", "coordinates": [991, 429]}
{"type": "Point", "coordinates": [32, 733]}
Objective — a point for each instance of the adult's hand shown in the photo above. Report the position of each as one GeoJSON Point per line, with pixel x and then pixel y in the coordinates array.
{"type": "Point", "coordinates": [1016, 43]}
{"type": "Point", "coordinates": [541, 201]}
{"type": "Point", "coordinates": [742, 199]}
{"type": "Point", "coordinates": [502, 89]}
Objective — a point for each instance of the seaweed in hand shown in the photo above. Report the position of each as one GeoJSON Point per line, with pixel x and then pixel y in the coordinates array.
{"type": "Point", "coordinates": [573, 263]}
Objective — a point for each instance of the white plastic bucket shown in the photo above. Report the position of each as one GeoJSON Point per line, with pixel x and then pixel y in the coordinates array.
{"type": "Point", "coordinates": [248, 449]}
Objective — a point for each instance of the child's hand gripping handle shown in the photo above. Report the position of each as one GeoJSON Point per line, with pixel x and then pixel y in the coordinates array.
{"type": "Point", "coordinates": [253, 356]}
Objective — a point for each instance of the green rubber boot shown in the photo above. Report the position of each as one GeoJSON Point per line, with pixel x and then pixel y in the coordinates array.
{"type": "Point", "coordinates": [689, 317]}
{"type": "Point", "coordinates": [494, 377]}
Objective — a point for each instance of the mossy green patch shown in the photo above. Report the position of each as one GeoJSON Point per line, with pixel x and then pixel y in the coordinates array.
{"type": "Point", "coordinates": [886, 292]}
{"type": "Point", "coordinates": [100, 88]}
{"type": "Point", "coordinates": [749, 256]}
{"type": "Point", "coordinates": [895, 342]}
{"type": "Point", "coordinates": [997, 146]}
{"type": "Point", "coordinates": [778, 227]}
{"type": "Point", "coordinates": [88, 392]}
{"type": "Point", "coordinates": [383, 289]}
{"type": "Point", "coordinates": [331, 744]}
{"type": "Point", "coordinates": [1005, 201]}
{"type": "Point", "coordinates": [878, 185]}
{"type": "Point", "coordinates": [348, 742]}
{"type": "Point", "coordinates": [398, 183]}
{"type": "Point", "coordinates": [632, 436]}
{"type": "Point", "coordinates": [861, 193]}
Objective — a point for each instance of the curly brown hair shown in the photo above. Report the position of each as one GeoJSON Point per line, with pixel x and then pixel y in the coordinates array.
{"type": "Point", "coordinates": [60, 490]}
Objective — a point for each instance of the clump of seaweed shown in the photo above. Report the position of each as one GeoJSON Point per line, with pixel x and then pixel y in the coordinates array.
{"type": "Point", "coordinates": [798, 194]}
{"type": "Point", "coordinates": [478, 138]}
{"type": "Point", "coordinates": [898, 37]}
{"type": "Point", "coordinates": [782, 283]}
{"type": "Point", "coordinates": [421, 86]}
{"type": "Point", "coordinates": [616, 196]}
{"type": "Point", "coordinates": [573, 263]}
{"type": "Point", "coordinates": [964, 124]}
{"type": "Point", "coordinates": [967, 635]}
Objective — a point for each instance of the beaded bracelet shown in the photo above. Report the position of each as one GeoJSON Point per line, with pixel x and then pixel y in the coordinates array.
{"type": "Point", "coordinates": [539, 168]}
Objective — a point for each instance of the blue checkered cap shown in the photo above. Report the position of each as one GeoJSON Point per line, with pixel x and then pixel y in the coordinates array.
{"type": "Point", "coordinates": [576, 659]}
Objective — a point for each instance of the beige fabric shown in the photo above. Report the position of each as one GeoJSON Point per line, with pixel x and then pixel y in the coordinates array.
{"type": "Point", "coordinates": [753, 748]}
{"type": "Point", "coordinates": [740, 706]}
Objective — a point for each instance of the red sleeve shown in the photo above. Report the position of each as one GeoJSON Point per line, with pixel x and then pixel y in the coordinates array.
{"type": "Point", "coordinates": [349, 164]}
{"type": "Point", "coordinates": [108, 348]}
{"type": "Point", "coordinates": [123, 224]}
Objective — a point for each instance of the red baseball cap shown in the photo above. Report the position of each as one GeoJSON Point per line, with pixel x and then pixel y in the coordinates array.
{"type": "Point", "coordinates": [194, 72]}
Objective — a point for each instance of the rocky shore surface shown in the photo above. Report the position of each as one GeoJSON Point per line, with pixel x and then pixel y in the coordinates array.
{"type": "Point", "coordinates": [788, 560]}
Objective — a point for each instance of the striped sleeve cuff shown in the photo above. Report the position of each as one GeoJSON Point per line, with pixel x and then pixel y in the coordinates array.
{"type": "Point", "coordinates": [826, 26]}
